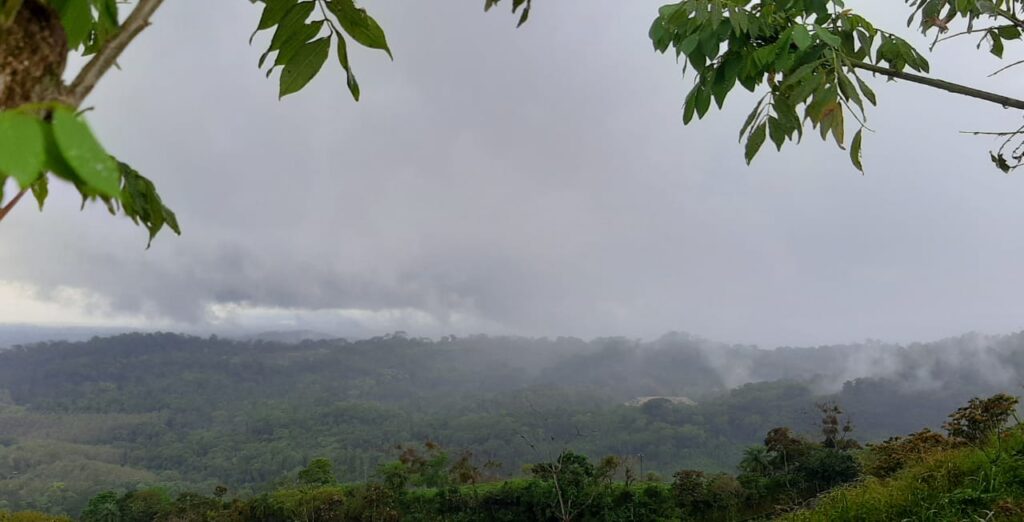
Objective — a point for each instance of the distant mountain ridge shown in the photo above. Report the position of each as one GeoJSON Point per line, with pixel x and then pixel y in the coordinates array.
{"type": "Point", "coordinates": [15, 334]}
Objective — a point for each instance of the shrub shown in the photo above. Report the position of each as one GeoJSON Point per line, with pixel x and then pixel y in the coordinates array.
{"type": "Point", "coordinates": [981, 418]}
{"type": "Point", "coordinates": [895, 453]}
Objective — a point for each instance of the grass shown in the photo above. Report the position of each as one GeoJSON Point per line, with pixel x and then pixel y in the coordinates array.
{"type": "Point", "coordinates": [966, 484]}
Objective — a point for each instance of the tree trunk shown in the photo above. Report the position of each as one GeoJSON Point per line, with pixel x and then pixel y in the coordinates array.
{"type": "Point", "coordinates": [33, 53]}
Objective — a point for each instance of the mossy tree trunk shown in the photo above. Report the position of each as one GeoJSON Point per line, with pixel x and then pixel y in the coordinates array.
{"type": "Point", "coordinates": [33, 53]}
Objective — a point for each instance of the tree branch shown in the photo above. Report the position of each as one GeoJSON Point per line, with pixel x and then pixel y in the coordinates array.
{"type": "Point", "coordinates": [951, 87]}
{"type": "Point", "coordinates": [1001, 69]}
{"type": "Point", "coordinates": [967, 32]}
{"type": "Point", "coordinates": [101, 62]}
{"type": "Point", "coordinates": [10, 205]}
{"type": "Point", "coordinates": [988, 133]}
{"type": "Point", "coordinates": [108, 55]}
{"type": "Point", "coordinates": [1007, 15]}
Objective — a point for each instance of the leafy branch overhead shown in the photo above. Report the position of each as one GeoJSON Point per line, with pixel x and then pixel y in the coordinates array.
{"type": "Point", "coordinates": [300, 45]}
{"type": "Point", "coordinates": [62, 144]}
{"type": "Point", "coordinates": [304, 31]}
{"type": "Point", "coordinates": [813, 58]}
{"type": "Point", "coordinates": [516, 5]}
{"type": "Point", "coordinates": [41, 134]}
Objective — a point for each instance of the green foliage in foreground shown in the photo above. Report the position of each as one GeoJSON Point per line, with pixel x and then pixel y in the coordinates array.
{"type": "Point", "coordinates": [189, 414]}
{"type": "Point", "coordinates": [30, 516]}
{"type": "Point", "coordinates": [52, 137]}
{"type": "Point", "coordinates": [983, 482]}
{"type": "Point", "coordinates": [976, 472]}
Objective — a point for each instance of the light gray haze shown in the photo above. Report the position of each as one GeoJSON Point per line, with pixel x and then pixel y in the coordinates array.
{"type": "Point", "coordinates": [535, 181]}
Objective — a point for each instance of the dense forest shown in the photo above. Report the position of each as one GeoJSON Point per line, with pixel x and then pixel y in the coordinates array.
{"type": "Point", "coordinates": [184, 413]}
{"type": "Point", "coordinates": [973, 471]}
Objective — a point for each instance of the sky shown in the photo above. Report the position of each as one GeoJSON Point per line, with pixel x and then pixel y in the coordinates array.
{"type": "Point", "coordinates": [535, 181]}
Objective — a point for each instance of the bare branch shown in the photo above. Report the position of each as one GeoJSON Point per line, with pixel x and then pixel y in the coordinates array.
{"type": "Point", "coordinates": [108, 55]}
{"type": "Point", "coordinates": [10, 205]}
{"type": "Point", "coordinates": [939, 40]}
{"type": "Point", "coordinates": [989, 133]}
{"type": "Point", "coordinates": [1001, 69]}
{"type": "Point", "coordinates": [951, 87]}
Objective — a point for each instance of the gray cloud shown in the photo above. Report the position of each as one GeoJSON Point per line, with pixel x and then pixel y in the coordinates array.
{"type": "Point", "coordinates": [538, 181]}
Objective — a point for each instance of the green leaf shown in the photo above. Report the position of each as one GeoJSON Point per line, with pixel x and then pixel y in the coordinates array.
{"type": "Point", "coordinates": [105, 26]}
{"type": "Point", "coordinates": [997, 44]}
{"type": "Point", "coordinates": [1009, 32]}
{"type": "Point", "coordinates": [660, 37]}
{"type": "Point", "coordinates": [725, 79]}
{"type": "Point", "coordinates": [22, 147]}
{"type": "Point", "coordinates": [359, 25]}
{"type": "Point", "coordinates": [350, 78]}
{"type": "Point", "coordinates": [304, 65]}
{"type": "Point", "coordinates": [688, 44]}
{"type": "Point", "coordinates": [827, 37]}
{"type": "Point", "coordinates": [293, 21]}
{"type": "Point", "coordinates": [807, 87]}
{"type": "Point", "coordinates": [296, 40]}
{"type": "Point", "coordinates": [84, 153]}
{"type": "Point", "coordinates": [866, 90]}
{"type": "Point", "coordinates": [703, 101]}
{"type": "Point", "coordinates": [766, 55]}
{"type": "Point", "coordinates": [849, 91]}
{"type": "Point", "coordinates": [801, 36]}
{"type": "Point", "coordinates": [41, 189]}
{"type": "Point", "coordinates": [1001, 163]}
{"type": "Point", "coordinates": [800, 74]}
{"type": "Point", "coordinates": [825, 97]}
{"type": "Point", "coordinates": [76, 17]}
{"type": "Point", "coordinates": [143, 205]}
{"type": "Point", "coordinates": [55, 162]}
{"type": "Point", "coordinates": [755, 141]}
{"type": "Point", "coordinates": [839, 126]}
{"type": "Point", "coordinates": [855, 154]}
{"type": "Point", "coordinates": [710, 44]}
{"type": "Point", "coordinates": [776, 131]}
{"type": "Point", "coordinates": [690, 106]}
{"type": "Point", "coordinates": [273, 12]}
{"type": "Point", "coordinates": [740, 22]}
{"type": "Point", "coordinates": [751, 118]}
{"type": "Point", "coordinates": [526, 11]}
{"type": "Point", "coordinates": [526, 4]}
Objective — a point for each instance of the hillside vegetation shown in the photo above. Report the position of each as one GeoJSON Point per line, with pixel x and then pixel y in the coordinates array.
{"type": "Point", "coordinates": [978, 474]}
{"type": "Point", "coordinates": [973, 472]}
{"type": "Point", "coordinates": [184, 414]}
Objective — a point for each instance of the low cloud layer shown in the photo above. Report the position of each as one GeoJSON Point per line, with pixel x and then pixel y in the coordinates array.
{"type": "Point", "coordinates": [534, 181]}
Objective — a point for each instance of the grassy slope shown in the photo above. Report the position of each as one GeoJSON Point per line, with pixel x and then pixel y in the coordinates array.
{"type": "Point", "coordinates": [976, 484]}
{"type": "Point", "coordinates": [56, 462]}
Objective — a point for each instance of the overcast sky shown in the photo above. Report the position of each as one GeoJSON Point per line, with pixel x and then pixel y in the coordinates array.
{"type": "Point", "coordinates": [535, 181]}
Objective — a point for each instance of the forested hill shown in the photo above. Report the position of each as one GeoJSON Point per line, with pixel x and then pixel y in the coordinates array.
{"type": "Point", "coordinates": [124, 411]}
{"type": "Point", "coordinates": [400, 368]}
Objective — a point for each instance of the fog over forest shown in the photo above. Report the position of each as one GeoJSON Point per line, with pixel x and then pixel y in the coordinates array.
{"type": "Point", "coordinates": [118, 411]}
{"type": "Point", "coordinates": [918, 366]}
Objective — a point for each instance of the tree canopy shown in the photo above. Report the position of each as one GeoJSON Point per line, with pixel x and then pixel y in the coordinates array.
{"type": "Point", "coordinates": [812, 61]}
{"type": "Point", "coordinates": [812, 58]}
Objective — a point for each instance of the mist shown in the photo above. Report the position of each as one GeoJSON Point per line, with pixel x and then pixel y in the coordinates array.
{"type": "Point", "coordinates": [550, 190]}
